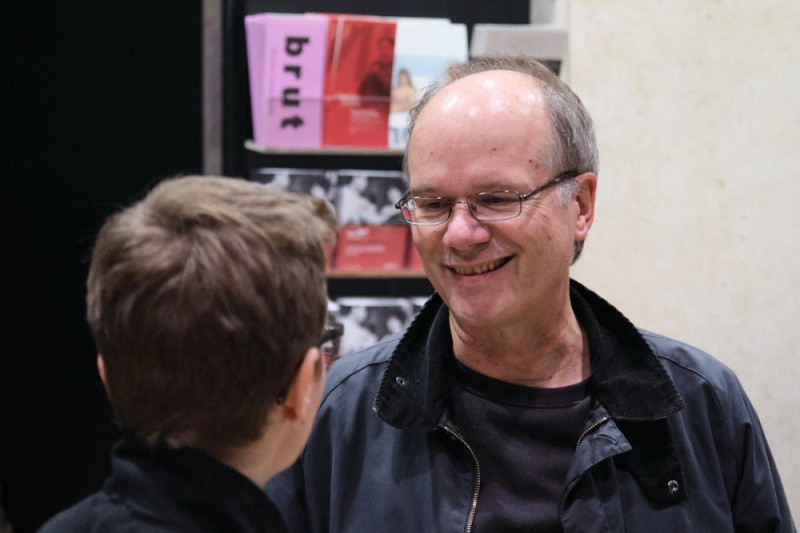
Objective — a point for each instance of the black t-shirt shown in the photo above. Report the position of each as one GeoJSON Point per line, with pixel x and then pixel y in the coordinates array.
{"type": "Point", "coordinates": [524, 438]}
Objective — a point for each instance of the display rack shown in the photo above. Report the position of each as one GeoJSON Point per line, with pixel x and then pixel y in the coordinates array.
{"type": "Point", "coordinates": [239, 155]}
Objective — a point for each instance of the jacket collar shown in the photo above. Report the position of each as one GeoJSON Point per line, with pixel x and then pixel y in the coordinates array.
{"type": "Point", "coordinates": [188, 487]}
{"type": "Point", "coordinates": [627, 378]}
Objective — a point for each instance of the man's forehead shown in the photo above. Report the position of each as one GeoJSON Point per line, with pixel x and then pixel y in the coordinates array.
{"type": "Point", "coordinates": [494, 90]}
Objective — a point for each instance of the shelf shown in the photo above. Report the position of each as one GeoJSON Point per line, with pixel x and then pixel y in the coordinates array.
{"type": "Point", "coordinates": [378, 284]}
{"type": "Point", "coordinates": [324, 151]}
{"type": "Point", "coordinates": [332, 158]}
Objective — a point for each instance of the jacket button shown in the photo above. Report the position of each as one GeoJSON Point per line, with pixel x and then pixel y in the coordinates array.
{"type": "Point", "coordinates": [401, 381]}
{"type": "Point", "coordinates": [673, 486]}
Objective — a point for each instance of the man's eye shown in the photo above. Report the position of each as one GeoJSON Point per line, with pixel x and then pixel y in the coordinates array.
{"type": "Point", "coordinates": [430, 204]}
{"type": "Point", "coordinates": [497, 200]}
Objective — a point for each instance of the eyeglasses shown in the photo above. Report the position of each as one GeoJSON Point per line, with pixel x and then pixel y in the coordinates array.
{"type": "Point", "coordinates": [329, 342]}
{"type": "Point", "coordinates": [485, 206]}
{"type": "Point", "coordinates": [329, 346]}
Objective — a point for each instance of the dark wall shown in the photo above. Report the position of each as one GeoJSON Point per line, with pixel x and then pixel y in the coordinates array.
{"type": "Point", "coordinates": [100, 100]}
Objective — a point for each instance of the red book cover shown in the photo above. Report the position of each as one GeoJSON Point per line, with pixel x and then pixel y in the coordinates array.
{"type": "Point", "coordinates": [371, 248]}
{"type": "Point", "coordinates": [358, 81]}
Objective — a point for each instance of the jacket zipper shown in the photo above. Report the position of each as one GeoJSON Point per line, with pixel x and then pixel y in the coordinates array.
{"type": "Point", "coordinates": [474, 506]}
{"type": "Point", "coordinates": [590, 429]}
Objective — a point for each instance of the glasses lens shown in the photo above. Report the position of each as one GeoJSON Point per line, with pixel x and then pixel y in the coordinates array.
{"type": "Point", "coordinates": [423, 210]}
{"type": "Point", "coordinates": [498, 205]}
{"type": "Point", "coordinates": [329, 344]}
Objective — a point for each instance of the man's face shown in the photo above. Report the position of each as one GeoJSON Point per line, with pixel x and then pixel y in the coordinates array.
{"type": "Point", "coordinates": [491, 132]}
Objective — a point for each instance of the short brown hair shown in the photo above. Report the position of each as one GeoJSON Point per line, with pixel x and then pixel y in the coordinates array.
{"type": "Point", "coordinates": [202, 298]}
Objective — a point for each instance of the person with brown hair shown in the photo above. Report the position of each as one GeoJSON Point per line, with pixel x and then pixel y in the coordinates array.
{"type": "Point", "coordinates": [518, 399]}
{"type": "Point", "coordinates": [207, 303]}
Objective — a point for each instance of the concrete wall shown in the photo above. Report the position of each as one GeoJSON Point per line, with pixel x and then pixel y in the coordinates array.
{"type": "Point", "coordinates": [697, 111]}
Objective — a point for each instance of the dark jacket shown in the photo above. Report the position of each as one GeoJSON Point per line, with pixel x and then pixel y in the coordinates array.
{"type": "Point", "coordinates": [673, 443]}
{"type": "Point", "coordinates": [161, 489]}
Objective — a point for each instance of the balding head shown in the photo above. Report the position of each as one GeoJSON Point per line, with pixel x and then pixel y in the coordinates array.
{"type": "Point", "coordinates": [573, 135]}
{"type": "Point", "coordinates": [494, 110]}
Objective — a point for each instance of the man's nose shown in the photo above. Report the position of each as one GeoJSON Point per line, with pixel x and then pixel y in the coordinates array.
{"type": "Point", "coordinates": [463, 229]}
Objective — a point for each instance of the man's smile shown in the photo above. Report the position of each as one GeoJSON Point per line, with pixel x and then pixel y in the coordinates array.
{"type": "Point", "coordinates": [482, 268]}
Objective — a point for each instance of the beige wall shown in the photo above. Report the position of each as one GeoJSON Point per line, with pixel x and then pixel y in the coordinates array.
{"type": "Point", "coordinates": [697, 111]}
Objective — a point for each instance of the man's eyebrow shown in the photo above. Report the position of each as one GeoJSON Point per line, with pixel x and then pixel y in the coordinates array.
{"type": "Point", "coordinates": [423, 191]}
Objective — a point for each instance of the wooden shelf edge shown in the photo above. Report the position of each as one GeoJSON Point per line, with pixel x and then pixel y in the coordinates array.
{"type": "Point", "coordinates": [328, 150]}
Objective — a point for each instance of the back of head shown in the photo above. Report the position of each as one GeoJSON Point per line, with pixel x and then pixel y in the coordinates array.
{"type": "Point", "coordinates": [202, 299]}
{"type": "Point", "coordinates": [575, 148]}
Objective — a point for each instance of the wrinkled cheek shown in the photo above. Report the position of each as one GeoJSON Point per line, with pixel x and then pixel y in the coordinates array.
{"type": "Point", "coordinates": [415, 234]}
{"type": "Point", "coordinates": [429, 249]}
{"type": "Point", "coordinates": [424, 241]}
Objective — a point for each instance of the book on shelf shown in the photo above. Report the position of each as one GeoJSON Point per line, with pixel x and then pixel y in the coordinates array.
{"type": "Point", "coordinates": [367, 320]}
{"type": "Point", "coordinates": [371, 248]}
{"type": "Point", "coordinates": [286, 64]}
{"type": "Point", "coordinates": [316, 182]}
{"type": "Point", "coordinates": [328, 80]}
{"type": "Point", "coordinates": [369, 196]}
{"type": "Point", "coordinates": [358, 77]}
{"type": "Point", "coordinates": [544, 42]}
{"type": "Point", "coordinates": [424, 47]}
{"type": "Point", "coordinates": [373, 236]}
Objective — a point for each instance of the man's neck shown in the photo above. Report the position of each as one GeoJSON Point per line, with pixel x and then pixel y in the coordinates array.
{"type": "Point", "coordinates": [549, 353]}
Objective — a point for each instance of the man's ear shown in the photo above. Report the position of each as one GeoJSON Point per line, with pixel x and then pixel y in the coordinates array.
{"type": "Point", "coordinates": [585, 197]}
{"type": "Point", "coordinates": [301, 398]}
{"type": "Point", "coordinates": [101, 369]}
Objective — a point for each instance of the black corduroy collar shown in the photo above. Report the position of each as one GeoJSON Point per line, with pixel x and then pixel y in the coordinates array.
{"type": "Point", "coordinates": [627, 378]}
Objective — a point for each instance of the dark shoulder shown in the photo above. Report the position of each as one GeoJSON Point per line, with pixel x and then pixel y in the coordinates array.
{"type": "Point", "coordinates": [692, 367]}
{"type": "Point", "coordinates": [360, 372]}
{"type": "Point", "coordinates": [103, 513]}
{"type": "Point", "coordinates": [97, 513]}
{"type": "Point", "coordinates": [361, 362]}
{"type": "Point", "coordinates": [79, 517]}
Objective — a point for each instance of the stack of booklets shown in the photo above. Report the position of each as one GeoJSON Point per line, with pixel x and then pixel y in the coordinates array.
{"type": "Point", "coordinates": [334, 80]}
{"type": "Point", "coordinates": [372, 236]}
{"type": "Point", "coordinates": [544, 42]}
{"type": "Point", "coordinates": [367, 320]}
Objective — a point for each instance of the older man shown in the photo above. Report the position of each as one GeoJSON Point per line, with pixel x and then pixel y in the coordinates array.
{"type": "Point", "coordinates": [519, 400]}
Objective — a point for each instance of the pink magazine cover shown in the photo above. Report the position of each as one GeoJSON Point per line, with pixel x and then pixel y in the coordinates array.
{"type": "Point", "coordinates": [254, 39]}
{"type": "Point", "coordinates": [358, 80]}
{"type": "Point", "coordinates": [287, 108]}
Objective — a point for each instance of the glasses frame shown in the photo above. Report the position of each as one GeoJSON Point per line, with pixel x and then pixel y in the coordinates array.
{"type": "Point", "coordinates": [332, 332]}
{"type": "Point", "coordinates": [564, 176]}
